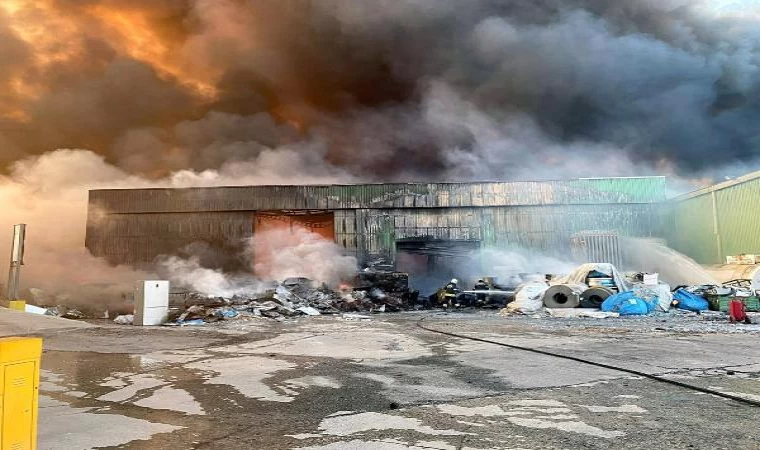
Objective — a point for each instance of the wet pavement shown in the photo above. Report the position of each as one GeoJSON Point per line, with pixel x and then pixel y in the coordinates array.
{"type": "Point", "coordinates": [328, 383]}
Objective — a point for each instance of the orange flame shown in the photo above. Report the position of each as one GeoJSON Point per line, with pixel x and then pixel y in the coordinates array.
{"type": "Point", "coordinates": [135, 36]}
{"type": "Point", "coordinates": [55, 37]}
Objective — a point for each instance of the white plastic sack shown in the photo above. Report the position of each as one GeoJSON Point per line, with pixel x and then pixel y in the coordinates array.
{"type": "Point", "coordinates": [529, 299]}
{"type": "Point", "coordinates": [662, 291]}
{"type": "Point", "coordinates": [664, 296]}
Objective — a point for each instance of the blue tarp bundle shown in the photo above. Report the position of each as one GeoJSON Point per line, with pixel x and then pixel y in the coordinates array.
{"type": "Point", "coordinates": [631, 303]}
{"type": "Point", "coordinates": [690, 302]}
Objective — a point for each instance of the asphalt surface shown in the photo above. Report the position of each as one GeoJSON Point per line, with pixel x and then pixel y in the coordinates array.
{"type": "Point", "coordinates": [329, 383]}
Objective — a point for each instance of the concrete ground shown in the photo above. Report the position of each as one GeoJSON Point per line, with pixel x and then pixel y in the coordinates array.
{"type": "Point", "coordinates": [330, 383]}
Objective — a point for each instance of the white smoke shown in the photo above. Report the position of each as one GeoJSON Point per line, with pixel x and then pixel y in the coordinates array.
{"type": "Point", "coordinates": [50, 193]}
{"type": "Point", "coordinates": [275, 255]}
{"type": "Point", "coordinates": [506, 263]}
{"type": "Point", "coordinates": [298, 252]}
{"type": "Point", "coordinates": [189, 274]}
{"type": "Point", "coordinates": [673, 267]}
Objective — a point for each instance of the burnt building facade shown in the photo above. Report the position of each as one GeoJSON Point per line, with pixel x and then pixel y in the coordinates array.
{"type": "Point", "coordinates": [402, 226]}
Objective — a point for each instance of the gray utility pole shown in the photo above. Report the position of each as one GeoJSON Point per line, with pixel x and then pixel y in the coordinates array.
{"type": "Point", "coordinates": [17, 260]}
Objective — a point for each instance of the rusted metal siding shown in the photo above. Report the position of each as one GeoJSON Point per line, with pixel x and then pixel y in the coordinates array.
{"type": "Point", "coordinates": [412, 195]}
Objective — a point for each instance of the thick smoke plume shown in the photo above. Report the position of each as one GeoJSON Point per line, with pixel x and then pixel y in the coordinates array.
{"type": "Point", "coordinates": [208, 92]}
{"type": "Point", "coordinates": [298, 252]}
{"type": "Point", "coordinates": [273, 255]}
{"type": "Point", "coordinates": [390, 89]}
{"type": "Point", "coordinates": [49, 194]}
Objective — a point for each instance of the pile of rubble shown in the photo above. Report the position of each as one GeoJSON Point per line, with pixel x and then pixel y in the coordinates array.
{"type": "Point", "coordinates": [374, 292]}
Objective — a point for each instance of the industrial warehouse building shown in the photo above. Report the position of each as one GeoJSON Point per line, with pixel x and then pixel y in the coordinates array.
{"type": "Point", "coordinates": [409, 227]}
{"type": "Point", "coordinates": [713, 223]}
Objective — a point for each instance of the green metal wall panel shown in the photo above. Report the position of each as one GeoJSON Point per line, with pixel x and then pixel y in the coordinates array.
{"type": "Point", "coordinates": [712, 223]}
{"type": "Point", "coordinates": [630, 189]}
{"type": "Point", "coordinates": [691, 229]}
{"type": "Point", "coordinates": [738, 209]}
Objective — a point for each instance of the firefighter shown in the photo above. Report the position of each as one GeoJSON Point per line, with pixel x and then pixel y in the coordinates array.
{"type": "Point", "coordinates": [447, 296]}
{"type": "Point", "coordinates": [481, 285]}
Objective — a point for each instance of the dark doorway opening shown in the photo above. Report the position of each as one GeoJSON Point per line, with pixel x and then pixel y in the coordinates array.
{"type": "Point", "coordinates": [431, 263]}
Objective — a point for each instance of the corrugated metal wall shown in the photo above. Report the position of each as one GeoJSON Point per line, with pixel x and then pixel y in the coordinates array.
{"type": "Point", "coordinates": [691, 229]}
{"type": "Point", "coordinates": [135, 226]}
{"type": "Point", "coordinates": [137, 239]}
{"type": "Point", "coordinates": [713, 223]}
{"type": "Point", "coordinates": [412, 195]}
{"type": "Point", "coordinates": [372, 233]}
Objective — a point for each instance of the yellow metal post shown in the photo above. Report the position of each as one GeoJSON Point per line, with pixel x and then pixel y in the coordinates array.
{"type": "Point", "coordinates": [18, 305]}
{"type": "Point", "coordinates": [19, 392]}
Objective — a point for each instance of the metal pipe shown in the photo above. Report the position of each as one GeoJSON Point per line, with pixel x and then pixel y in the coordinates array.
{"type": "Point", "coordinates": [17, 260]}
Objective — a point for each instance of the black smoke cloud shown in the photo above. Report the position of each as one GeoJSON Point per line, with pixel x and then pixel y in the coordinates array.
{"type": "Point", "coordinates": [391, 89]}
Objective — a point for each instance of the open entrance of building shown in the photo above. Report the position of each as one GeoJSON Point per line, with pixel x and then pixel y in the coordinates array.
{"type": "Point", "coordinates": [274, 230]}
{"type": "Point", "coordinates": [431, 263]}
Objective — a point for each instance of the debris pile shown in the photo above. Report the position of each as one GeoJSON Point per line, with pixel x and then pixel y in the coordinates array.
{"type": "Point", "coordinates": [57, 311]}
{"type": "Point", "coordinates": [601, 287]}
{"type": "Point", "coordinates": [293, 297]}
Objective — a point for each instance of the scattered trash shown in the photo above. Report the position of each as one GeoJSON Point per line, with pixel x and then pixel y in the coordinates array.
{"type": "Point", "coordinates": [651, 279]}
{"type": "Point", "coordinates": [309, 311]}
{"type": "Point", "coordinates": [580, 312]}
{"type": "Point", "coordinates": [35, 309]}
{"type": "Point", "coordinates": [226, 313]}
{"type": "Point", "coordinates": [124, 319]}
{"type": "Point", "coordinates": [294, 297]}
{"type": "Point", "coordinates": [73, 314]}
{"type": "Point", "coordinates": [356, 317]}
{"type": "Point", "coordinates": [637, 302]}
{"type": "Point", "coordinates": [192, 322]}
{"type": "Point", "coordinates": [684, 299]}
{"type": "Point", "coordinates": [596, 274]}
{"type": "Point", "coordinates": [528, 299]}
{"type": "Point", "coordinates": [664, 296]}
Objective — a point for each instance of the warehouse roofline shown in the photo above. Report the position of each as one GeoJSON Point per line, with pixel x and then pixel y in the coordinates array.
{"type": "Point", "coordinates": [410, 183]}
{"type": "Point", "coordinates": [717, 187]}
{"type": "Point", "coordinates": [387, 195]}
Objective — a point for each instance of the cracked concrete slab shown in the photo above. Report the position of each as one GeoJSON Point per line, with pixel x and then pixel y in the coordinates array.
{"type": "Point", "coordinates": [389, 384]}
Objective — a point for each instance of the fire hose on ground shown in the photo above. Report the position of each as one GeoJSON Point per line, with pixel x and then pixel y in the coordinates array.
{"type": "Point", "coordinates": [595, 364]}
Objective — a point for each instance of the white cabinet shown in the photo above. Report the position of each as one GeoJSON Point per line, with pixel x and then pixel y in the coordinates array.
{"type": "Point", "coordinates": [151, 302]}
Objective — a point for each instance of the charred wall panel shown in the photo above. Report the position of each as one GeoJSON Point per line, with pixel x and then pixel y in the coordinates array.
{"type": "Point", "coordinates": [545, 228]}
{"type": "Point", "coordinates": [346, 231]}
{"type": "Point", "coordinates": [368, 233]}
{"type": "Point", "coordinates": [137, 239]}
{"type": "Point", "coordinates": [135, 226]}
{"type": "Point", "coordinates": [412, 195]}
